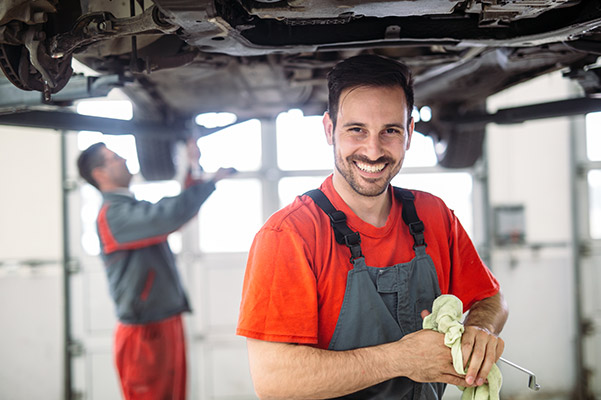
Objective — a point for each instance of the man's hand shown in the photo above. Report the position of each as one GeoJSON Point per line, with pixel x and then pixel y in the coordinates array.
{"type": "Point", "coordinates": [193, 153]}
{"type": "Point", "coordinates": [223, 173]}
{"type": "Point", "coordinates": [480, 344]}
{"type": "Point", "coordinates": [429, 359]}
{"type": "Point", "coordinates": [481, 349]}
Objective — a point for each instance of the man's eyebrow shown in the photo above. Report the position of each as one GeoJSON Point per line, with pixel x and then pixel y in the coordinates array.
{"type": "Point", "coordinates": [397, 125]}
{"type": "Point", "coordinates": [390, 125]}
{"type": "Point", "coordinates": [353, 124]}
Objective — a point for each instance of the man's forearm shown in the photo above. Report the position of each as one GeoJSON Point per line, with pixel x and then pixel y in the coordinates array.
{"type": "Point", "coordinates": [282, 370]}
{"type": "Point", "coordinates": [289, 371]}
{"type": "Point", "coordinates": [490, 313]}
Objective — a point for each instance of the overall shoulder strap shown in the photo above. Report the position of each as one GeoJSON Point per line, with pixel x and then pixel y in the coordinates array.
{"type": "Point", "coordinates": [342, 233]}
{"type": "Point", "coordinates": [409, 214]}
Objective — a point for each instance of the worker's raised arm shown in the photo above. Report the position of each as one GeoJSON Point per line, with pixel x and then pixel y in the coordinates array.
{"type": "Point", "coordinates": [480, 343]}
{"type": "Point", "coordinates": [290, 371]}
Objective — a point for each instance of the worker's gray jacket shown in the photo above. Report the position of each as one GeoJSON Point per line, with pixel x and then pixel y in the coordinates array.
{"type": "Point", "coordinates": [141, 270]}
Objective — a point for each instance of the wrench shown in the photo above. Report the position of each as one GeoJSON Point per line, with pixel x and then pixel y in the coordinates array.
{"type": "Point", "coordinates": [532, 378]}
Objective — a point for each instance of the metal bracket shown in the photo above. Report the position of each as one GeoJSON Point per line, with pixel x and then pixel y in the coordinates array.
{"type": "Point", "coordinates": [73, 266]}
{"type": "Point", "coordinates": [76, 348]}
{"type": "Point", "coordinates": [515, 115]}
{"type": "Point", "coordinates": [94, 27]}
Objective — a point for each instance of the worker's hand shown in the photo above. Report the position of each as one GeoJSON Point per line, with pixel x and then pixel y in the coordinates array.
{"type": "Point", "coordinates": [481, 349]}
{"type": "Point", "coordinates": [427, 359]}
{"type": "Point", "coordinates": [223, 173]}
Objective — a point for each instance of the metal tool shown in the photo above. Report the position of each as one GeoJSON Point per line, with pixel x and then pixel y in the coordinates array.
{"type": "Point", "coordinates": [532, 378]}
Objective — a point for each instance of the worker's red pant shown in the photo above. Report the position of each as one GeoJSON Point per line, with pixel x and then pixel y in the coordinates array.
{"type": "Point", "coordinates": [151, 360]}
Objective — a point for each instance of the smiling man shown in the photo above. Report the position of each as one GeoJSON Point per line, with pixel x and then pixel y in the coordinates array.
{"type": "Point", "coordinates": [337, 283]}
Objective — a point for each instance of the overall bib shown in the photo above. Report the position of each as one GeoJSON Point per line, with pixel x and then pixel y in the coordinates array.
{"type": "Point", "coordinates": [382, 305]}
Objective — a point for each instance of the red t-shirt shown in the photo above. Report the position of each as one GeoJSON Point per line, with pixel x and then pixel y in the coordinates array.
{"type": "Point", "coordinates": [296, 273]}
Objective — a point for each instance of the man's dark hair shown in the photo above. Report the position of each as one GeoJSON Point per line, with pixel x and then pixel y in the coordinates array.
{"type": "Point", "coordinates": [89, 159]}
{"type": "Point", "coordinates": [368, 70]}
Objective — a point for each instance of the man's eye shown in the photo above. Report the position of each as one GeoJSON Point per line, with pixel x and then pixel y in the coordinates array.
{"type": "Point", "coordinates": [392, 131]}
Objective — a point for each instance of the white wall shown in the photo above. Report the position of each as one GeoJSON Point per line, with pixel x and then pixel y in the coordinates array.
{"type": "Point", "coordinates": [31, 305]}
{"type": "Point", "coordinates": [529, 166]}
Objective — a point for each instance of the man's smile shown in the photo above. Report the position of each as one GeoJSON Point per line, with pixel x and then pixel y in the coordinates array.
{"type": "Point", "coordinates": [370, 168]}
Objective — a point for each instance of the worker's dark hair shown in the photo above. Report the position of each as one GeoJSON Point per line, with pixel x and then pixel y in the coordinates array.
{"type": "Point", "coordinates": [89, 159]}
{"type": "Point", "coordinates": [371, 71]}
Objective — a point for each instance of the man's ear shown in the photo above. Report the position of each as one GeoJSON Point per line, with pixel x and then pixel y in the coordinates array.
{"type": "Point", "coordinates": [328, 127]}
{"type": "Point", "coordinates": [98, 175]}
{"type": "Point", "coordinates": [410, 129]}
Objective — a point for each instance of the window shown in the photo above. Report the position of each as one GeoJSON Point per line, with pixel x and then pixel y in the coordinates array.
{"type": "Point", "coordinates": [421, 152]}
{"type": "Point", "coordinates": [593, 136]}
{"type": "Point", "coordinates": [593, 151]}
{"type": "Point", "coordinates": [91, 200]}
{"type": "Point", "coordinates": [454, 188]}
{"type": "Point", "coordinates": [231, 216]}
{"type": "Point", "coordinates": [238, 146]}
{"type": "Point", "coordinates": [301, 142]}
{"type": "Point", "coordinates": [594, 184]}
{"type": "Point", "coordinates": [291, 187]}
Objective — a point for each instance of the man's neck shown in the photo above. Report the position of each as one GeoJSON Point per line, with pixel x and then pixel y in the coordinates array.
{"type": "Point", "coordinates": [114, 189]}
{"type": "Point", "coordinates": [371, 209]}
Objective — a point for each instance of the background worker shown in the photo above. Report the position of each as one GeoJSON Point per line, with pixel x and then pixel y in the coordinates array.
{"type": "Point", "coordinates": [149, 347]}
{"type": "Point", "coordinates": [328, 315]}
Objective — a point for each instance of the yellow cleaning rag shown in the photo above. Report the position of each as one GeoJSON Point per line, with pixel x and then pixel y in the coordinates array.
{"type": "Point", "coordinates": [446, 314]}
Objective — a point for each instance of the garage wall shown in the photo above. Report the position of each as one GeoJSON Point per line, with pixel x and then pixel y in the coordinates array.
{"type": "Point", "coordinates": [31, 305]}
{"type": "Point", "coordinates": [529, 165]}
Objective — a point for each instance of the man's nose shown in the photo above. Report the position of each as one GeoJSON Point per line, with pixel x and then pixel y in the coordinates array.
{"type": "Point", "coordinates": [373, 146]}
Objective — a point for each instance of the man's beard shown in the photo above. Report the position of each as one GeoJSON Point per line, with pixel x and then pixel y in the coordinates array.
{"type": "Point", "coordinates": [375, 187]}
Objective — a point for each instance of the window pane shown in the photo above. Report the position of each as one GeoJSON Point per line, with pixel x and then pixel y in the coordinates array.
{"type": "Point", "coordinates": [454, 188]}
{"type": "Point", "coordinates": [289, 188]}
{"type": "Point", "coordinates": [593, 136]}
{"type": "Point", "coordinates": [301, 142]}
{"type": "Point", "coordinates": [231, 216]}
{"type": "Point", "coordinates": [118, 109]}
{"type": "Point", "coordinates": [91, 200]}
{"type": "Point", "coordinates": [237, 146]}
{"type": "Point", "coordinates": [155, 191]}
{"type": "Point", "coordinates": [421, 152]}
{"type": "Point", "coordinates": [594, 183]}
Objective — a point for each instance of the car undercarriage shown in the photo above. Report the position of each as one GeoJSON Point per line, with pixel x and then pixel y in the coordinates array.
{"type": "Point", "coordinates": [178, 58]}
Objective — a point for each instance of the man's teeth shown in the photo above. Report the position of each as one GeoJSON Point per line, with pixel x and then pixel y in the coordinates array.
{"type": "Point", "coordinates": [370, 167]}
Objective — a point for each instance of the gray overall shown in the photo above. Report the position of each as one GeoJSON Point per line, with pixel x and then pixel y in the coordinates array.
{"type": "Point", "coordinates": [382, 305]}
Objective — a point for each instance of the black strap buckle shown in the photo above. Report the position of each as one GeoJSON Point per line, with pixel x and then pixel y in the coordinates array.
{"type": "Point", "coordinates": [337, 217]}
{"type": "Point", "coordinates": [352, 239]}
{"type": "Point", "coordinates": [417, 231]}
{"type": "Point", "coordinates": [416, 228]}
{"type": "Point", "coordinates": [353, 242]}
{"type": "Point", "coordinates": [342, 233]}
